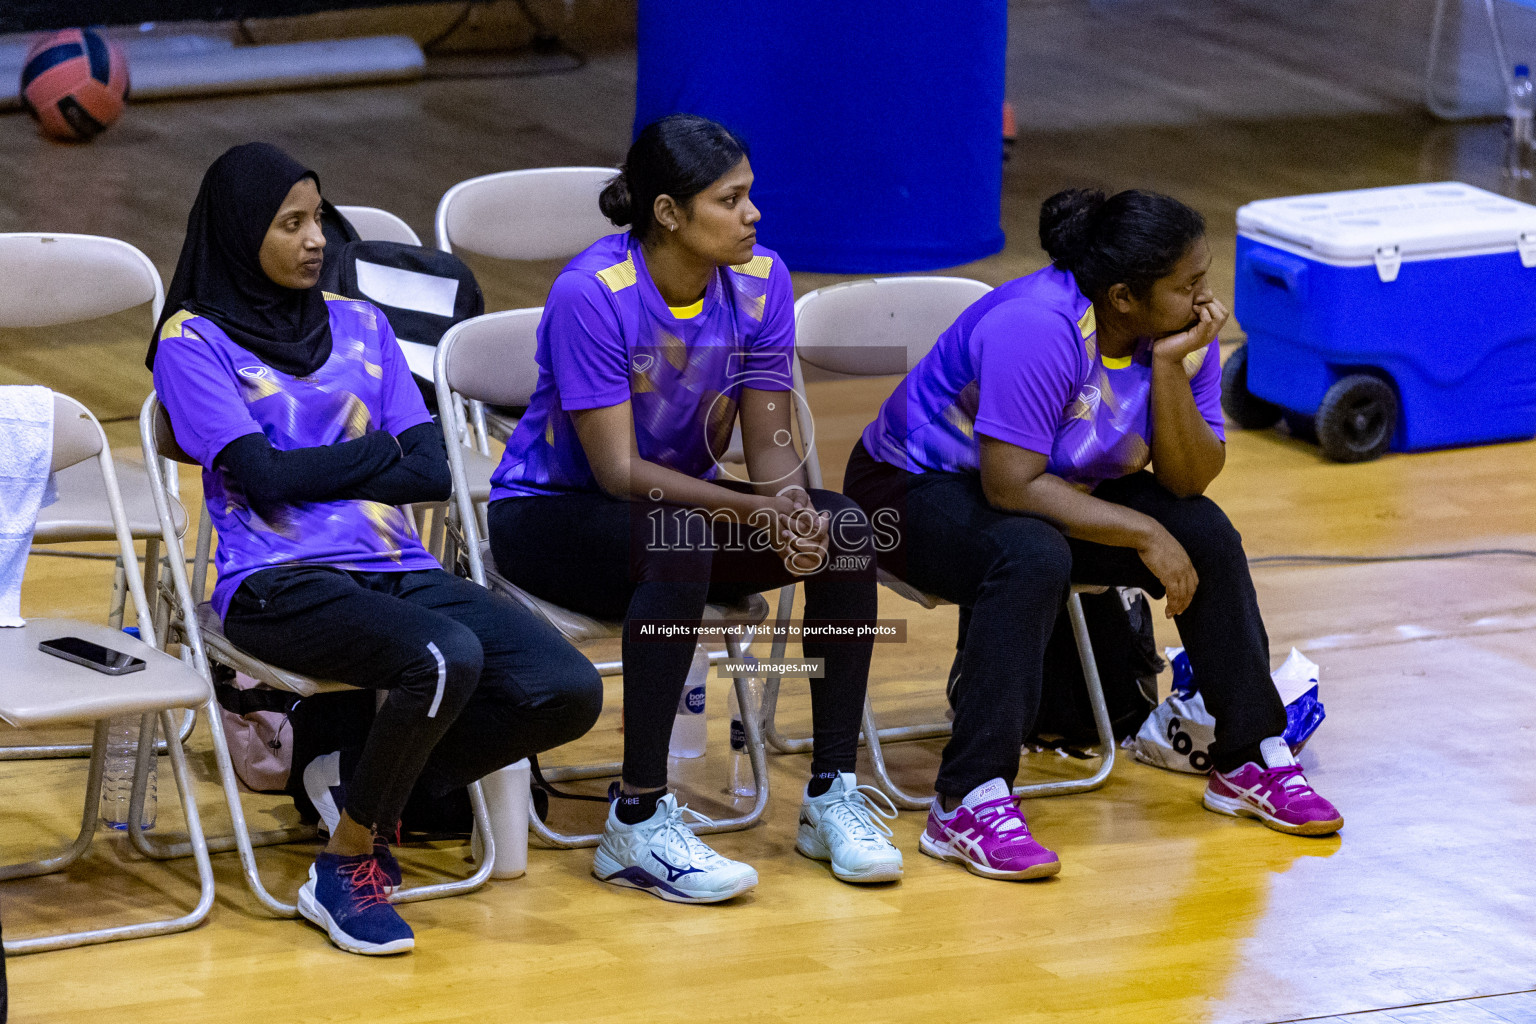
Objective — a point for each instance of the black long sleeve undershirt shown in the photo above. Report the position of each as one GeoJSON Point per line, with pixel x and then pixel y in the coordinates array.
{"type": "Point", "coordinates": [375, 467]}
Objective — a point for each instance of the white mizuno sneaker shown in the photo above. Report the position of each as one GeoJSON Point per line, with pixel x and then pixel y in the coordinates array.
{"type": "Point", "coordinates": [663, 857]}
{"type": "Point", "coordinates": [843, 826]}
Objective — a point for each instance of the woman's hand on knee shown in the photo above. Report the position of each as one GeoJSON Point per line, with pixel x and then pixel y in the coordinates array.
{"type": "Point", "coordinates": [802, 540]}
{"type": "Point", "coordinates": [1170, 563]}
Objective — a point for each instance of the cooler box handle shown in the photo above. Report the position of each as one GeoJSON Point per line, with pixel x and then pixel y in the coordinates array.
{"type": "Point", "coordinates": [1282, 270]}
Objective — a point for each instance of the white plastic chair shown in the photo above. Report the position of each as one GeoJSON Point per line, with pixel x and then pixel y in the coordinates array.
{"type": "Point", "coordinates": [880, 327]}
{"type": "Point", "coordinates": [39, 690]}
{"type": "Point", "coordinates": [490, 359]}
{"type": "Point", "coordinates": [193, 623]}
{"type": "Point", "coordinates": [1437, 38]}
{"type": "Point", "coordinates": [54, 280]}
{"type": "Point", "coordinates": [542, 213]}
{"type": "Point", "coordinates": [375, 225]}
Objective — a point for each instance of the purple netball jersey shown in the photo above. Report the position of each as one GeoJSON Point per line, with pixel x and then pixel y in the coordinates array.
{"type": "Point", "coordinates": [1022, 365]}
{"type": "Point", "coordinates": [607, 336]}
{"type": "Point", "coordinates": [216, 391]}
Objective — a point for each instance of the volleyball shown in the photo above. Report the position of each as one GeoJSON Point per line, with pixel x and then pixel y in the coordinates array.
{"type": "Point", "coordinates": [74, 83]}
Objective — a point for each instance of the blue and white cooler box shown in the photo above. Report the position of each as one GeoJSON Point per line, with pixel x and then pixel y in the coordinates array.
{"type": "Point", "coordinates": [1401, 317]}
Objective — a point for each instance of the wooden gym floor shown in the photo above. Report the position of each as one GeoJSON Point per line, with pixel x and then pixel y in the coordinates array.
{"type": "Point", "coordinates": [1421, 911]}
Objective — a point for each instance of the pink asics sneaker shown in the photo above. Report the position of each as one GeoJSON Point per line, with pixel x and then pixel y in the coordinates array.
{"type": "Point", "coordinates": [987, 834]}
{"type": "Point", "coordinates": [1278, 795]}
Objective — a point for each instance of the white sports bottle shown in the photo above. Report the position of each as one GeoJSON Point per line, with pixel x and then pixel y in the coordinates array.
{"type": "Point", "coordinates": [688, 729]}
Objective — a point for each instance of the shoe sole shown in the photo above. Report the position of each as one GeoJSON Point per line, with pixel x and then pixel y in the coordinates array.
{"type": "Point", "coordinates": [317, 915]}
{"type": "Point", "coordinates": [1239, 808]}
{"type": "Point", "coordinates": [944, 853]}
{"type": "Point", "coordinates": [807, 845]}
{"type": "Point", "coordinates": [606, 869]}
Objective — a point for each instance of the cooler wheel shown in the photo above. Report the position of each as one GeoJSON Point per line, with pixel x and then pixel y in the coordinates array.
{"type": "Point", "coordinates": [1357, 418]}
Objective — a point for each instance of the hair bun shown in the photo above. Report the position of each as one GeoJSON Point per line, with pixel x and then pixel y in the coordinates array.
{"type": "Point", "coordinates": [1066, 223]}
{"type": "Point", "coordinates": [615, 201]}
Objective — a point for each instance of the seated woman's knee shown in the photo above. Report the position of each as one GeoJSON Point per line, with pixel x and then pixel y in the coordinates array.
{"type": "Point", "coordinates": [448, 668]}
{"type": "Point", "coordinates": [848, 529]}
{"type": "Point", "coordinates": [1032, 549]}
{"type": "Point", "coordinates": [1206, 533]}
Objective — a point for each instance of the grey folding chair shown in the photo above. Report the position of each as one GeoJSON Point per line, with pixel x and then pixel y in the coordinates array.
{"type": "Point", "coordinates": [373, 224]}
{"type": "Point", "coordinates": [882, 327]}
{"type": "Point", "coordinates": [54, 280]}
{"type": "Point", "coordinates": [542, 213]}
{"type": "Point", "coordinates": [490, 358]}
{"type": "Point", "coordinates": [39, 690]}
{"type": "Point", "coordinates": [193, 623]}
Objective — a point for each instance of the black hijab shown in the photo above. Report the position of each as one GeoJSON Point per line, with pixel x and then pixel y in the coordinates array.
{"type": "Point", "coordinates": [219, 274]}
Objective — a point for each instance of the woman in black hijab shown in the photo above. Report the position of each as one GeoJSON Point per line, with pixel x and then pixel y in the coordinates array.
{"type": "Point", "coordinates": [301, 409]}
{"type": "Point", "coordinates": [219, 274]}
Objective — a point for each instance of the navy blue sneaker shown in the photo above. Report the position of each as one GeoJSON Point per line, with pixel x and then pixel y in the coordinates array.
{"type": "Point", "coordinates": [346, 897]}
{"type": "Point", "coordinates": [323, 785]}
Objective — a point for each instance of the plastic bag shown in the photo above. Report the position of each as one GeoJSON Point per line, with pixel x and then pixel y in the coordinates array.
{"type": "Point", "coordinates": [1179, 732]}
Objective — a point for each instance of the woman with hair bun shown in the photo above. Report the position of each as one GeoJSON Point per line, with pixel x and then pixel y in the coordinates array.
{"type": "Point", "coordinates": [610, 499]}
{"type": "Point", "coordinates": [1015, 456]}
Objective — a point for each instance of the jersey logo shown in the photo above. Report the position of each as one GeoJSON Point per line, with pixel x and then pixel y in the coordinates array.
{"type": "Point", "coordinates": [1086, 402]}
{"type": "Point", "coordinates": [255, 372]}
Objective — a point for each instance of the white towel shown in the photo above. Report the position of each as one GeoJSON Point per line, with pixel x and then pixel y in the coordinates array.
{"type": "Point", "coordinates": [26, 485]}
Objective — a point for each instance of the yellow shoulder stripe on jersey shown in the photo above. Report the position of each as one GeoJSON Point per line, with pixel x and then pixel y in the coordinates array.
{"type": "Point", "coordinates": [333, 297]}
{"type": "Point", "coordinates": [757, 266]}
{"type": "Point", "coordinates": [1087, 324]}
{"type": "Point", "coordinates": [619, 276]}
{"type": "Point", "coordinates": [172, 328]}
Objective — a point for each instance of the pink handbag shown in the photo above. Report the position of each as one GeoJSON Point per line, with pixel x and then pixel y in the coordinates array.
{"type": "Point", "coordinates": [256, 727]}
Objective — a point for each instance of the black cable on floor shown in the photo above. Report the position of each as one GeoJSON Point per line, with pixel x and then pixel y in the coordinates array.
{"type": "Point", "coordinates": [1433, 556]}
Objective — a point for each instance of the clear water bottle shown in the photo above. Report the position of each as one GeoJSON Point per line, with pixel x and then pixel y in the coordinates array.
{"type": "Point", "coordinates": [688, 728]}
{"type": "Point", "coordinates": [1522, 105]}
{"type": "Point", "coordinates": [117, 772]}
{"type": "Point", "coordinates": [742, 783]}
{"type": "Point", "coordinates": [117, 775]}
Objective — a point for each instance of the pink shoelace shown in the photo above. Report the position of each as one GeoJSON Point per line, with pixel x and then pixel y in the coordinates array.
{"type": "Point", "coordinates": [368, 883]}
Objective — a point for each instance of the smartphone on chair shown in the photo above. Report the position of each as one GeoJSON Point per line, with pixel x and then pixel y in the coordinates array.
{"type": "Point", "coordinates": [91, 655]}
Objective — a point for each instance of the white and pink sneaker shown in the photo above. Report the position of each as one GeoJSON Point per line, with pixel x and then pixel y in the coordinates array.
{"type": "Point", "coordinates": [988, 835]}
{"type": "Point", "coordinates": [1276, 793]}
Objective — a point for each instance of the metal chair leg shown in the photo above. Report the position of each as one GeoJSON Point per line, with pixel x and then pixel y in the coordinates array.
{"type": "Point", "coordinates": [246, 842]}
{"type": "Point", "coordinates": [873, 736]}
{"type": "Point", "coordinates": [82, 842]}
{"type": "Point", "coordinates": [756, 752]}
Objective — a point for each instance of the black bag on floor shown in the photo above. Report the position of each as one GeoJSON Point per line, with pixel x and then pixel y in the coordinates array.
{"type": "Point", "coordinates": [1128, 663]}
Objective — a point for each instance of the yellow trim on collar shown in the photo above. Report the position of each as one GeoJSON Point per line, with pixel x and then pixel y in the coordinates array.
{"type": "Point", "coordinates": [1115, 362]}
{"type": "Point", "coordinates": [688, 312]}
{"type": "Point", "coordinates": [757, 266]}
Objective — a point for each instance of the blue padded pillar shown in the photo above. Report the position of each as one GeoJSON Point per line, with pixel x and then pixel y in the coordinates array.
{"type": "Point", "coordinates": [875, 125]}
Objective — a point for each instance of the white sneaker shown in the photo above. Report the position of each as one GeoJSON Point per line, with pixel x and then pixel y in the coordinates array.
{"type": "Point", "coordinates": [663, 857]}
{"type": "Point", "coordinates": [843, 826]}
